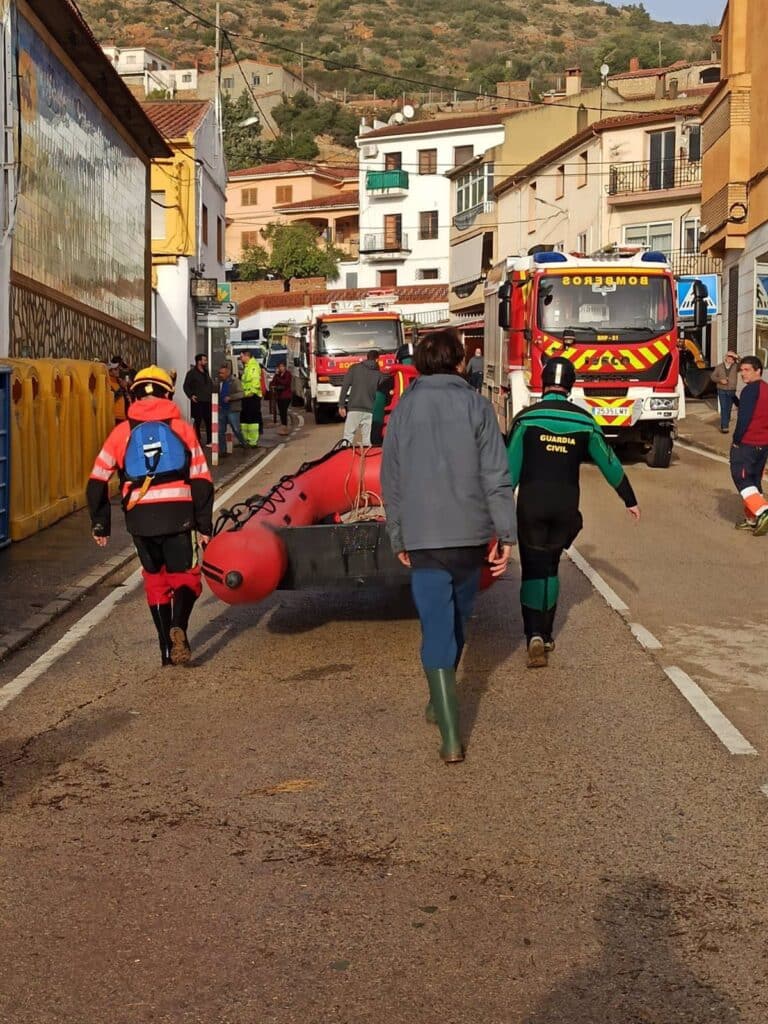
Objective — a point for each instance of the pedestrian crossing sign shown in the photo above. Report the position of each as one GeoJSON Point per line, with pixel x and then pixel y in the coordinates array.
{"type": "Point", "coordinates": [685, 293]}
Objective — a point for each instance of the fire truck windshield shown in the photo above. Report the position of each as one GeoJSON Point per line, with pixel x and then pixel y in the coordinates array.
{"type": "Point", "coordinates": [634, 305]}
{"type": "Point", "coordinates": [355, 337]}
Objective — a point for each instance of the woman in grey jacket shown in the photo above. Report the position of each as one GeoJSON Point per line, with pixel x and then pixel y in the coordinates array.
{"type": "Point", "coordinates": [448, 494]}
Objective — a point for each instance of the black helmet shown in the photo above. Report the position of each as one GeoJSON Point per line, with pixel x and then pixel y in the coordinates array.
{"type": "Point", "coordinates": [404, 352]}
{"type": "Point", "coordinates": [558, 373]}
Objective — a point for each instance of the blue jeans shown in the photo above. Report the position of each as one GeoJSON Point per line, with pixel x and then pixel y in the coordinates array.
{"type": "Point", "coordinates": [725, 401]}
{"type": "Point", "coordinates": [228, 416]}
{"type": "Point", "coordinates": [444, 604]}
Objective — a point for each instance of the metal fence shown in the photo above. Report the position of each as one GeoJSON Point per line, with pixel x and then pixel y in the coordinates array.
{"type": "Point", "coordinates": [382, 241]}
{"type": "Point", "coordinates": [653, 175]}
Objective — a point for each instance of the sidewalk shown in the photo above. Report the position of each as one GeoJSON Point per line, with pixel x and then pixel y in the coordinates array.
{"type": "Point", "coordinates": [701, 426]}
{"type": "Point", "coordinates": [46, 574]}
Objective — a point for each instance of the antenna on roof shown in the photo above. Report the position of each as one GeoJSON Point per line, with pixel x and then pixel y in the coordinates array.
{"type": "Point", "coordinates": [408, 112]}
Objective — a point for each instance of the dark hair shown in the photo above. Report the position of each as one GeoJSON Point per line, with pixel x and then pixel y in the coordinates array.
{"type": "Point", "coordinates": [439, 352]}
{"type": "Point", "coordinates": [373, 354]}
{"type": "Point", "coordinates": [752, 361]}
{"type": "Point", "coordinates": [199, 356]}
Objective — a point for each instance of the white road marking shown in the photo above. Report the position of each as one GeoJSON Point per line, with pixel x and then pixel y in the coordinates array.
{"type": "Point", "coordinates": [104, 608]}
{"type": "Point", "coordinates": [764, 789]}
{"type": "Point", "coordinates": [609, 595]}
{"type": "Point", "coordinates": [709, 712]}
{"type": "Point", "coordinates": [644, 637]}
{"type": "Point", "coordinates": [701, 451]}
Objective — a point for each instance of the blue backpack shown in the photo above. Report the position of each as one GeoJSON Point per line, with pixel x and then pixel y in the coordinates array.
{"type": "Point", "coordinates": [154, 449]}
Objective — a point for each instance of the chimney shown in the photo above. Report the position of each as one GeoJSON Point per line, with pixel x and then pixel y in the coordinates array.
{"type": "Point", "coordinates": [634, 63]}
{"type": "Point", "coordinates": [673, 87]}
{"type": "Point", "coordinates": [572, 81]}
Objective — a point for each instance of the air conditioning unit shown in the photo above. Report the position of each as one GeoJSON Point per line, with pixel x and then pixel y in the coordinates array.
{"type": "Point", "coordinates": [370, 151]}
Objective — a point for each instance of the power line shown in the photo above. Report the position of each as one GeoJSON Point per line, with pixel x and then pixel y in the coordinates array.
{"type": "Point", "coordinates": [425, 85]}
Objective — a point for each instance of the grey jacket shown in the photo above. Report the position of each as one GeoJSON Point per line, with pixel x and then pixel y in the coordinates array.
{"type": "Point", "coordinates": [358, 390]}
{"type": "Point", "coordinates": [235, 395]}
{"type": "Point", "coordinates": [444, 475]}
{"type": "Point", "coordinates": [726, 377]}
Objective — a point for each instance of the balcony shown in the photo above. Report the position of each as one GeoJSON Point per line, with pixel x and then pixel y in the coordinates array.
{"type": "Point", "coordinates": [386, 184]}
{"type": "Point", "coordinates": [467, 218]}
{"type": "Point", "coordinates": [379, 245]}
{"type": "Point", "coordinates": [642, 178]}
{"type": "Point", "coordinates": [694, 264]}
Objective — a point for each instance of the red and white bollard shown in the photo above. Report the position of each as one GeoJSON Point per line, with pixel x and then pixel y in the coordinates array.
{"type": "Point", "coordinates": [230, 439]}
{"type": "Point", "coordinates": [215, 429]}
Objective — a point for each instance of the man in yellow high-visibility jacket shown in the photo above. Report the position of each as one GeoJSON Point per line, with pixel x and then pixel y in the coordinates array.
{"type": "Point", "coordinates": [252, 393]}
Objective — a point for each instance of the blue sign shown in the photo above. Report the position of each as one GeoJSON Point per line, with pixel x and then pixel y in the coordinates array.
{"type": "Point", "coordinates": [685, 293]}
{"type": "Point", "coordinates": [761, 298]}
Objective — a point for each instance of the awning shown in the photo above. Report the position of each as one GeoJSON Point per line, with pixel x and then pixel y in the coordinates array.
{"type": "Point", "coordinates": [466, 261]}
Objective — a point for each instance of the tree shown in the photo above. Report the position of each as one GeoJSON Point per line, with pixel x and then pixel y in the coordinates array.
{"type": "Point", "coordinates": [293, 252]}
{"type": "Point", "coordinates": [242, 145]}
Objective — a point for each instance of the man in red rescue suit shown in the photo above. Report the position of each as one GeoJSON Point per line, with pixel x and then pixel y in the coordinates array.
{"type": "Point", "coordinates": [167, 496]}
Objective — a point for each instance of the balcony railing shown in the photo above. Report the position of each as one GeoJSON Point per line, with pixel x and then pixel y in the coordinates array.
{"type": "Point", "coordinates": [693, 264]}
{"type": "Point", "coordinates": [653, 176]}
{"type": "Point", "coordinates": [381, 242]}
{"type": "Point", "coordinates": [467, 218]}
{"type": "Point", "coordinates": [385, 181]}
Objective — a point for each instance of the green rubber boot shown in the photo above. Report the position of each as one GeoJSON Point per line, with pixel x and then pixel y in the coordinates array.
{"type": "Point", "coordinates": [442, 692]}
{"type": "Point", "coordinates": [429, 714]}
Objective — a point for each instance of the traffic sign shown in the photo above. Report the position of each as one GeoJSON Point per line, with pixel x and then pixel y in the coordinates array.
{"type": "Point", "coordinates": [215, 318]}
{"type": "Point", "coordinates": [685, 293]}
{"type": "Point", "coordinates": [224, 291]}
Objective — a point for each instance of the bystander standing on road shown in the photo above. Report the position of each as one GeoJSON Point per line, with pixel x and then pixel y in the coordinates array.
{"type": "Point", "coordinates": [358, 396]}
{"type": "Point", "coordinates": [167, 495]}
{"type": "Point", "coordinates": [281, 386]}
{"type": "Point", "coordinates": [749, 450]}
{"type": "Point", "coordinates": [475, 370]}
{"type": "Point", "coordinates": [726, 375]}
{"type": "Point", "coordinates": [447, 495]}
{"type": "Point", "coordinates": [250, 415]}
{"type": "Point", "coordinates": [548, 443]}
{"type": "Point", "coordinates": [198, 387]}
{"type": "Point", "coordinates": [230, 407]}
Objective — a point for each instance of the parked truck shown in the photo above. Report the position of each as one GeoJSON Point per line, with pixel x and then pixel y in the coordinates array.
{"type": "Point", "coordinates": [614, 316]}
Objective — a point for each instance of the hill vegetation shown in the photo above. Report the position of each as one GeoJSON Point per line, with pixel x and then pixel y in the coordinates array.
{"type": "Point", "coordinates": [448, 42]}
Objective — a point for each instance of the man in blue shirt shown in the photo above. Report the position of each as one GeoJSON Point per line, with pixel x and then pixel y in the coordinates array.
{"type": "Point", "coordinates": [230, 406]}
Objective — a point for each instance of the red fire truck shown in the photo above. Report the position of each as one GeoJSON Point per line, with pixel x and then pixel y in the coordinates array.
{"type": "Point", "coordinates": [334, 339]}
{"type": "Point", "coordinates": [614, 316]}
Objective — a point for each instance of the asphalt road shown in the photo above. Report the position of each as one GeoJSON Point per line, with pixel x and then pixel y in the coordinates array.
{"type": "Point", "coordinates": [269, 836]}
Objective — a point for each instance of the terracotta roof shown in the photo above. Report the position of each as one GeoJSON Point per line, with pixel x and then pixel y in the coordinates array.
{"type": "Point", "coordinates": [446, 124]}
{"type": "Point", "coordinates": [670, 69]}
{"type": "Point", "coordinates": [407, 295]}
{"type": "Point", "coordinates": [176, 118]}
{"type": "Point", "coordinates": [340, 200]}
{"type": "Point", "coordinates": [574, 141]}
{"type": "Point", "coordinates": [338, 172]}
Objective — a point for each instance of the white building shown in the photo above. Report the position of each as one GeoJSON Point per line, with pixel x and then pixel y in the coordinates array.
{"type": "Point", "coordinates": [405, 198]}
{"type": "Point", "coordinates": [147, 72]}
{"type": "Point", "coordinates": [188, 224]}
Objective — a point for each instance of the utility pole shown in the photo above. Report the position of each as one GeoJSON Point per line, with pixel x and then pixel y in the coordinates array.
{"type": "Point", "coordinates": [217, 101]}
{"type": "Point", "coordinates": [302, 66]}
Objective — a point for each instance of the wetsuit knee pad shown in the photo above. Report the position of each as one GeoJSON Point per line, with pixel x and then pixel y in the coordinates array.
{"type": "Point", "coordinates": [157, 586]}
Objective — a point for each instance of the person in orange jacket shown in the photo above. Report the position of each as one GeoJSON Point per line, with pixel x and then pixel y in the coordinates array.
{"type": "Point", "coordinates": [167, 496]}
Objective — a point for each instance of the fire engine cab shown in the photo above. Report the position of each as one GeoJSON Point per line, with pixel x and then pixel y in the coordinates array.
{"type": "Point", "coordinates": [614, 316]}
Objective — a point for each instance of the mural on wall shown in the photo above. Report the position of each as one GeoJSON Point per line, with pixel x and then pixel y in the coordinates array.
{"type": "Point", "coordinates": [80, 226]}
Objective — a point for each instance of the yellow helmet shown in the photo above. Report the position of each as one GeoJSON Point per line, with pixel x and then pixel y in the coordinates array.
{"type": "Point", "coordinates": [153, 378]}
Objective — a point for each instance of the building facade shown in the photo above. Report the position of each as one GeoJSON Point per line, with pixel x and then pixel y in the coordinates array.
{"type": "Point", "coordinates": [735, 190]}
{"type": "Point", "coordinates": [405, 197]}
{"type": "Point", "coordinates": [146, 72]}
{"type": "Point", "coordinates": [80, 261]}
{"type": "Point", "coordinates": [188, 223]}
{"type": "Point", "coordinates": [268, 83]}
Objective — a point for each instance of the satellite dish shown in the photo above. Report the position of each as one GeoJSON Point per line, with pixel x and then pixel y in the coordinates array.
{"type": "Point", "coordinates": [408, 111]}
{"type": "Point", "coordinates": [604, 70]}
{"type": "Point", "coordinates": [398, 118]}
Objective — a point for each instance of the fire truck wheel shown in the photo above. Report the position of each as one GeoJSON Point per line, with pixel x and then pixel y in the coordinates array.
{"type": "Point", "coordinates": [659, 455]}
{"type": "Point", "coordinates": [319, 410]}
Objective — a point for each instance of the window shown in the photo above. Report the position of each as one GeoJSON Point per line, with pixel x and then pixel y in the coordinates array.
{"type": "Point", "coordinates": [350, 280]}
{"type": "Point", "coordinates": [393, 161]}
{"type": "Point", "coordinates": [284, 194]}
{"type": "Point", "coordinates": [204, 225]}
{"type": "Point", "coordinates": [657, 237]}
{"type": "Point", "coordinates": [255, 79]}
{"type": "Point", "coordinates": [690, 239]}
{"type": "Point", "coordinates": [428, 224]}
{"type": "Point", "coordinates": [186, 77]}
{"type": "Point", "coordinates": [387, 279]}
{"type": "Point", "coordinates": [461, 154]}
{"type": "Point", "coordinates": [393, 231]}
{"type": "Point", "coordinates": [227, 83]}
{"type": "Point", "coordinates": [560, 182]}
{"type": "Point", "coordinates": [130, 58]}
{"type": "Point", "coordinates": [429, 274]}
{"type": "Point", "coordinates": [532, 207]}
{"type": "Point", "coordinates": [158, 215]}
{"type": "Point", "coordinates": [220, 239]}
{"type": "Point", "coordinates": [474, 187]}
{"type": "Point", "coordinates": [583, 168]}
{"type": "Point", "coordinates": [582, 242]}
{"type": "Point", "coordinates": [661, 171]}
{"type": "Point", "coordinates": [248, 239]}
{"type": "Point", "coordinates": [427, 161]}
{"type": "Point", "coordinates": [694, 143]}
{"type": "Point", "coordinates": [249, 197]}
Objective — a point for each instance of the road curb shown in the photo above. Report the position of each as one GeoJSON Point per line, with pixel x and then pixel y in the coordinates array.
{"type": "Point", "coordinates": [687, 439]}
{"type": "Point", "coordinates": [70, 595]}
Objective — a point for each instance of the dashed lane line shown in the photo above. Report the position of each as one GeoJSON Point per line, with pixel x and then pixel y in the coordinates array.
{"type": "Point", "coordinates": [709, 712]}
{"type": "Point", "coordinates": [701, 451]}
{"type": "Point", "coordinates": [608, 594]}
{"type": "Point", "coordinates": [644, 637]}
{"type": "Point", "coordinates": [104, 608]}
{"type": "Point", "coordinates": [764, 789]}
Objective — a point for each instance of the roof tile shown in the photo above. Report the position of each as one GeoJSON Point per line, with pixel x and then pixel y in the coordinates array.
{"type": "Point", "coordinates": [442, 124]}
{"type": "Point", "coordinates": [297, 299]}
{"type": "Point", "coordinates": [176, 118]}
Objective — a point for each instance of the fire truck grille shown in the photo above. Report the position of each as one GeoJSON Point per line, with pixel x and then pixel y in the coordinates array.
{"type": "Point", "coordinates": [337, 379]}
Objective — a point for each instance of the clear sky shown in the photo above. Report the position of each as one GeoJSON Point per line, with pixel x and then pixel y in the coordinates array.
{"type": "Point", "coordinates": [693, 12]}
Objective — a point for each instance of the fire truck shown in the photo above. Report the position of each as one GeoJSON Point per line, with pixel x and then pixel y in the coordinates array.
{"type": "Point", "coordinates": [335, 338]}
{"type": "Point", "coordinates": [614, 316]}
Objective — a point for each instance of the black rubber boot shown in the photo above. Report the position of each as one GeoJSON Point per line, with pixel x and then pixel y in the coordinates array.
{"type": "Point", "coordinates": [183, 603]}
{"type": "Point", "coordinates": [161, 616]}
{"type": "Point", "coordinates": [442, 693]}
